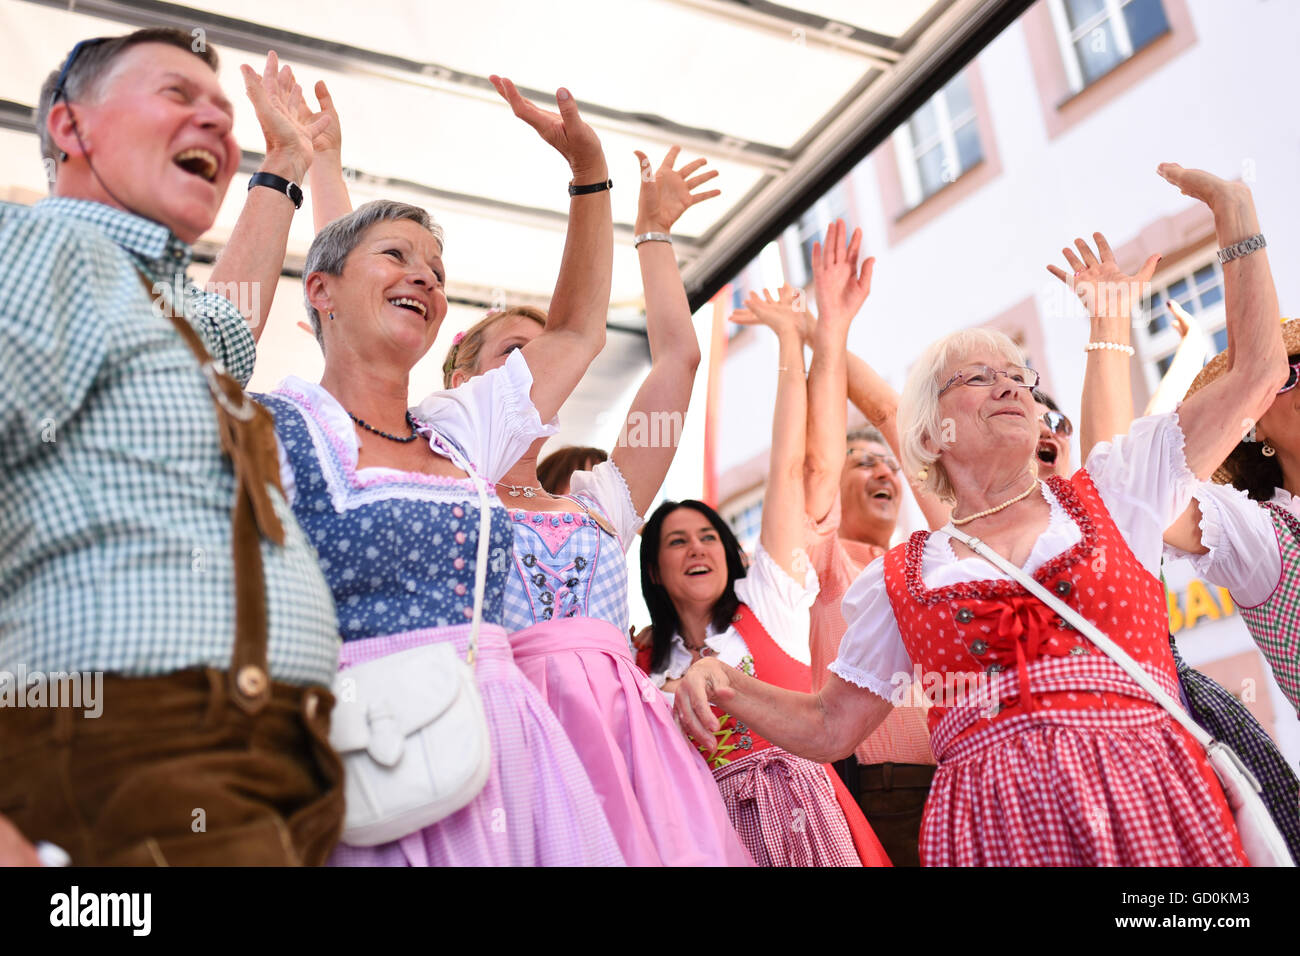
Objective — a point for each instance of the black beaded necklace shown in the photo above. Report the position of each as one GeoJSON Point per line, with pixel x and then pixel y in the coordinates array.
{"type": "Point", "coordinates": [401, 441]}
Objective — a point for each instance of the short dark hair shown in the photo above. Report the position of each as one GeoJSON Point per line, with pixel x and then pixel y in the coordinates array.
{"type": "Point", "coordinates": [865, 433]}
{"type": "Point", "coordinates": [1250, 470]}
{"type": "Point", "coordinates": [95, 59]}
{"type": "Point", "coordinates": [664, 620]}
{"type": "Point", "coordinates": [555, 470]}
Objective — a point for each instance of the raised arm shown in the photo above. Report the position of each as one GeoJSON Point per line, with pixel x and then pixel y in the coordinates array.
{"type": "Point", "coordinates": [329, 190]}
{"type": "Point", "coordinates": [575, 326]}
{"type": "Point", "coordinates": [248, 269]}
{"type": "Point", "coordinates": [648, 442]}
{"type": "Point", "coordinates": [1216, 418]}
{"type": "Point", "coordinates": [782, 531]}
{"type": "Point", "coordinates": [840, 287]}
{"type": "Point", "coordinates": [1109, 295]}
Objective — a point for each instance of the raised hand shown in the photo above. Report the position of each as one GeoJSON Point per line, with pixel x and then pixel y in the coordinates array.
{"type": "Point", "coordinates": [566, 130]}
{"type": "Point", "coordinates": [289, 138]}
{"type": "Point", "coordinates": [327, 138]}
{"type": "Point", "coordinates": [1199, 184]}
{"type": "Point", "coordinates": [840, 285]}
{"type": "Point", "coordinates": [666, 193]}
{"type": "Point", "coordinates": [780, 314]}
{"type": "Point", "coordinates": [1105, 289]}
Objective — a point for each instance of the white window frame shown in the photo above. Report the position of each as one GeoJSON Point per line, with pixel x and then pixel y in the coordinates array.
{"type": "Point", "coordinates": [1152, 348]}
{"type": "Point", "coordinates": [906, 149]}
{"type": "Point", "coordinates": [1066, 37]}
{"type": "Point", "coordinates": [737, 507]}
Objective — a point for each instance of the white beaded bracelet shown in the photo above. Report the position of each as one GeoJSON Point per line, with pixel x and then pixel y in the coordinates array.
{"type": "Point", "coordinates": [1095, 346]}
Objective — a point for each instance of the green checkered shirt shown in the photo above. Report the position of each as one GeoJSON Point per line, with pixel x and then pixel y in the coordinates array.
{"type": "Point", "coordinates": [115, 496]}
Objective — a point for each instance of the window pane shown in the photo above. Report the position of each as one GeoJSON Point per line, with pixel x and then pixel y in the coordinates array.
{"type": "Point", "coordinates": [806, 248]}
{"type": "Point", "coordinates": [1220, 341]}
{"type": "Point", "coordinates": [929, 168]}
{"type": "Point", "coordinates": [924, 124]}
{"type": "Point", "coordinates": [1211, 296]}
{"type": "Point", "coordinates": [1162, 366]}
{"type": "Point", "coordinates": [968, 146]}
{"type": "Point", "coordinates": [958, 95]}
{"type": "Point", "coordinates": [1146, 21]}
{"type": "Point", "coordinates": [1098, 52]}
{"type": "Point", "coordinates": [1158, 314]}
{"type": "Point", "coordinates": [1203, 275]}
{"type": "Point", "coordinates": [1180, 292]}
{"type": "Point", "coordinates": [1080, 10]}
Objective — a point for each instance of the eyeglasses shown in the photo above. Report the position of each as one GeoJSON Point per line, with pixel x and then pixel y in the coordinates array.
{"type": "Point", "coordinates": [1058, 423]}
{"type": "Point", "coordinates": [868, 460]}
{"type": "Point", "coordinates": [59, 84]}
{"type": "Point", "coordinates": [983, 375]}
{"type": "Point", "coordinates": [1293, 379]}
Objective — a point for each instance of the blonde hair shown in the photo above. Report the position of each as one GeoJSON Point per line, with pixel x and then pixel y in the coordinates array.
{"type": "Point", "coordinates": [463, 353]}
{"type": "Point", "coordinates": [921, 431]}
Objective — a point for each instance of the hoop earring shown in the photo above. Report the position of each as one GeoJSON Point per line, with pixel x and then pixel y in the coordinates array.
{"type": "Point", "coordinates": [1268, 451]}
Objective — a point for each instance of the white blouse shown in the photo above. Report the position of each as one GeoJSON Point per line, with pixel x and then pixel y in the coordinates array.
{"type": "Point", "coordinates": [1245, 555]}
{"type": "Point", "coordinates": [605, 485]}
{"type": "Point", "coordinates": [490, 419]}
{"type": "Point", "coordinates": [779, 602]}
{"type": "Point", "coordinates": [1143, 480]}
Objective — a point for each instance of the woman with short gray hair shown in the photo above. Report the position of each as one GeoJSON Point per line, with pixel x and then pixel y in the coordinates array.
{"type": "Point", "coordinates": [393, 500]}
{"type": "Point", "coordinates": [1049, 753]}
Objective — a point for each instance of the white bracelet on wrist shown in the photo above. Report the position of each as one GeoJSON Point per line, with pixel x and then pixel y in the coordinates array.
{"type": "Point", "coordinates": [1116, 346]}
{"type": "Point", "coordinates": [651, 237]}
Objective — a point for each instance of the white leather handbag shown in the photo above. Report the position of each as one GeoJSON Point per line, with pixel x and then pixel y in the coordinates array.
{"type": "Point", "coordinates": [1260, 837]}
{"type": "Point", "coordinates": [411, 729]}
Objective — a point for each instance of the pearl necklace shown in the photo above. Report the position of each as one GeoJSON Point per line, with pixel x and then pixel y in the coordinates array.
{"type": "Point", "coordinates": [996, 508]}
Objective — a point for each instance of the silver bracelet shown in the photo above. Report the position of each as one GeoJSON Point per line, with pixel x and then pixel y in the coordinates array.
{"type": "Point", "coordinates": [651, 237]}
{"type": "Point", "coordinates": [1116, 346]}
{"type": "Point", "coordinates": [1243, 248]}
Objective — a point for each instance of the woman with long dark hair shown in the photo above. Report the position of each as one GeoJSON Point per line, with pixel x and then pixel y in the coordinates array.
{"type": "Point", "coordinates": [704, 603]}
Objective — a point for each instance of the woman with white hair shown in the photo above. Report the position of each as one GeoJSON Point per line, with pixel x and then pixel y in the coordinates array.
{"type": "Point", "coordinates": [1049, 754]}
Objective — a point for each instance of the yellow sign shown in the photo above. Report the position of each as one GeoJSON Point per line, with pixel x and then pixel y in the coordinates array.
{"type": "Point", "coordinates": [1186, 610]}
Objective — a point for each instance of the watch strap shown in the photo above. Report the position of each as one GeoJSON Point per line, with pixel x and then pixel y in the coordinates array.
{"type": "Point", "coordinates": [590, 188]}
{"type": "Point", "coordinates": [1244, 248]}
{"type": "Point", "coordinates": [279, 184]}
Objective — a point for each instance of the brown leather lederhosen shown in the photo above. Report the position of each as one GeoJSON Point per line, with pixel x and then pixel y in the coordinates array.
{"type": "Point", "coordinates": [200, 766]}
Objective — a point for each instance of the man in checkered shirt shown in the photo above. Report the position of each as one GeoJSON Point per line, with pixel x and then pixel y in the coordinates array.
{"type": "Point", "coordinates": [116, 497]}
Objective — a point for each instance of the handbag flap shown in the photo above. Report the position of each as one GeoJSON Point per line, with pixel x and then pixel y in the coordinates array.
{"type": "Point", "coordinates": [381, 702]}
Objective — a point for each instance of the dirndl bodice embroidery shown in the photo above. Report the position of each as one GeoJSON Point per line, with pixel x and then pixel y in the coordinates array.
{"type": "Point", "coordinates": [1275, 624]}
{"type": "Point", "coordinates": [398, 552]}
{"type": "Point", "coordinates": [564, 565]}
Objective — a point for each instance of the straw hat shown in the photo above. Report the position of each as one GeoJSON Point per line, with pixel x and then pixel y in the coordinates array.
{"type": "Point", "coordinates": [1216, 366]}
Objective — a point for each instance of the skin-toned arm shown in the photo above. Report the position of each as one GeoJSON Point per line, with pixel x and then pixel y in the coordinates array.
{"type": "Point", "coordinates": [822, 727]}
{"type": "Point", "coordinates": [575, 325]}
{"type": "Point", "coordinates": [674, 351]}
{"type": "Point", "coordinates": [1109, 296]}
{"type": "Point", "coordinates": [841, 287]}
{"type": "Point", "coordinates": [14, 849]}
{"type": "Point", "coordinates": [1216, 418]}
{"type": "Point", "coordinates": [782, 531]}
{"type": "Point", "coordinates": [254, 256]}
{"type": "Point", "coordinates": [329, 190]}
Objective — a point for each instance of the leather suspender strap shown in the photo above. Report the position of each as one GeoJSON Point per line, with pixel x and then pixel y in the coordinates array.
{"type": "Point", "coordinates": [248, 437]}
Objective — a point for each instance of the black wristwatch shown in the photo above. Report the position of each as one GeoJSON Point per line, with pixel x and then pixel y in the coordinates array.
{"type": "Point", "coordinates": [279, 184]}
{"type": "Point", "coordinates": [592, 188]}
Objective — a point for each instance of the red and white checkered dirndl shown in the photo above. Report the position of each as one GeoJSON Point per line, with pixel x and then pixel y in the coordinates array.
{"type": "Point", "coordinates": [1049, 754]}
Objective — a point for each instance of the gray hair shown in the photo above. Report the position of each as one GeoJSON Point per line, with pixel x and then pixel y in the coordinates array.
{"type": "Point", "coordinates": [920, 429]}
{"type": "Point", "coordinates": [865, 433]}
{"type": "Point", "coordinates": [333, 244]}
{"type": "Point", "coordinates": [94, 62]}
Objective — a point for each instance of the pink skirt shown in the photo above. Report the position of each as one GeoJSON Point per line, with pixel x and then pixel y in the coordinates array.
{"type": "Point", "coordinates": [538, 807]}
{"type": "Point", "coordinates": [657, 793]}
